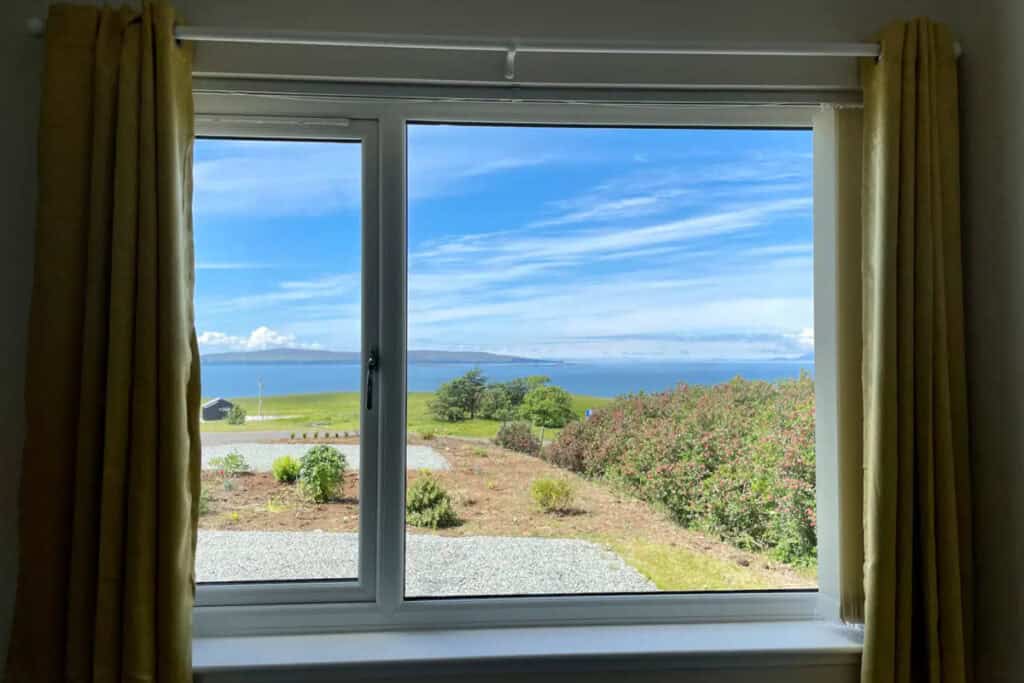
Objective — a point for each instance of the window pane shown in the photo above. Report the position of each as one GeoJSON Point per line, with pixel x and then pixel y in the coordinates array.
{"type": "Point", "coordinates": [278, 241]}
{"type": "Point", "coordinates": [611, 358]}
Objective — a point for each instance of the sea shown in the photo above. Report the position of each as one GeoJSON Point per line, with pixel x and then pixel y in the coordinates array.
{"type": "Point", "coordinates": [606, 379]}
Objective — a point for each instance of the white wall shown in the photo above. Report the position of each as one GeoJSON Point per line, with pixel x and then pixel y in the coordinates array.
{"type": "Point", "coordinates": [994, 208]}
{"type": "Point", "coordinates": [992, 103]}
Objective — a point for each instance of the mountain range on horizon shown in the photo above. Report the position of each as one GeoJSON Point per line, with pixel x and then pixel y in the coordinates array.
{"type": "Point", "coordinates": [290, 355]}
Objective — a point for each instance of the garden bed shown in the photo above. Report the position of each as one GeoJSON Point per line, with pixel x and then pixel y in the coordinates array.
{"type": "Point", "coordinates": [490, 488]}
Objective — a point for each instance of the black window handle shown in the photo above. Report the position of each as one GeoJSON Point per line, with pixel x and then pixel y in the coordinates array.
{"type": "Point", "coordinates": [371, 367]}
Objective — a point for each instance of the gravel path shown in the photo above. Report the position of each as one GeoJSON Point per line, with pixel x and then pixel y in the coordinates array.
{"type": "Point", "coordinates": [437, 565]}
{"type": "Point", "coordinates": [261, 455]}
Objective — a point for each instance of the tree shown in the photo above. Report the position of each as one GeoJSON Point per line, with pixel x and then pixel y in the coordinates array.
{"type": "Point", "coordinates": [474, 383]}
{"type": "Point", "coordinates": [460, 398]}
{"type": "Point", "coordinates": [548, 406]}
{"type": "Point", "coordinates": [496, 404]}
{"type": "Point", "coordinates": [236, 415]}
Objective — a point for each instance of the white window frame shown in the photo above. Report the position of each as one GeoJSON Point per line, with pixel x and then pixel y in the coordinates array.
{"type": "Point", "coordinates": [330, 111]}
{"type": "Point", "coordinates": [363, 587]}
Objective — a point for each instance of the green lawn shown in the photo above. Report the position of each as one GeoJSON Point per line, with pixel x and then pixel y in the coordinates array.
{"type": "Point", "coordinates": [340, 412]}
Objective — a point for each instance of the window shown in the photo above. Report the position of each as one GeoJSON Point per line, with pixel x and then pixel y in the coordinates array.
{"type": "Point", "coordinates": [630, 312]}
{"type": "Point", "coordinates": [565, 365]}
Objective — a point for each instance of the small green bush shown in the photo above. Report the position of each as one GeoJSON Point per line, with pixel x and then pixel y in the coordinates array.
{"type": "Point", "coordinates": [552, 495]}
{"type": "Point", "coordinates": [204, 501]}
{"type": "Point", "coordinates": [292, 437]}
{"type": "Point", "coordinates": [517, 436]}
{"type": "Point", "coordinates": [427, 504]}
{"type": "Point", "coordinates": [428, 434]}
{"type": "Point", "coordinates": [236, 415]}
{"type": "Point", "coordinates": [231, 465]}
{"type": "Point", "coordinates": [285, 469]}
{"type": "Point", "coordinates": [321, 472]}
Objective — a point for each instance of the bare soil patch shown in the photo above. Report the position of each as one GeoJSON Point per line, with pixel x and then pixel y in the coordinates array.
{"type": "Point", "coordinates": [490, 488]}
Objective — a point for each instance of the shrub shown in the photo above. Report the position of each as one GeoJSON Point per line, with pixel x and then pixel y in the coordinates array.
{"type": "Point", "coordinates": [552, 495]}
{"type": "Point", "coordinates": [236, 415]}
{"type": "Point", "coordinates": [204, 500]}
{"type": "Point", "coordinates": [428, 434]}
{"type": "Point", "coordinates": [292, 437]}
{"type": "Point", "coordinates": [517, 436]}
{"type": "Point", "coordinates": [285, 469]}
{"type": "Point", "coordinates": [321, 472]}
{"type": "Point", "coordinates": [231, 465]}
{"type": "Point", "coordinates": [735, 460]}
{"type": "Point", "coordinates": [427, 504]}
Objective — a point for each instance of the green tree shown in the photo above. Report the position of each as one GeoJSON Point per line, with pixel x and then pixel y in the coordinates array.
{"type": "Point", "coordinates": [496, 403]}
{"type": "Point", "coordinates": [548, 406]}
{"type": "Point", "coordinates": [460, 398]}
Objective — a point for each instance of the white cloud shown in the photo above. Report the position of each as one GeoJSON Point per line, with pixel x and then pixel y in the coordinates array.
{"type": "Point", "coordinates": [259, 339]}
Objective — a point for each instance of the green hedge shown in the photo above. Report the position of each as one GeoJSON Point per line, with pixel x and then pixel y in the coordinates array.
{"type": "Point", "coordinates": [735, 460]}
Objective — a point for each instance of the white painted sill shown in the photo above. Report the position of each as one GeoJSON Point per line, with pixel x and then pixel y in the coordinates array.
{"type": "Point", "coordinates": [561, 648]}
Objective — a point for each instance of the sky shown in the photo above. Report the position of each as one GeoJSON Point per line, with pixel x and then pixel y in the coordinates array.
{"type": "Point", "coordinates": [543, 242]}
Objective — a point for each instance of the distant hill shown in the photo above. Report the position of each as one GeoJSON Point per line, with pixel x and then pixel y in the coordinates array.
{"type": "Point", "coordinates": [314, 356]}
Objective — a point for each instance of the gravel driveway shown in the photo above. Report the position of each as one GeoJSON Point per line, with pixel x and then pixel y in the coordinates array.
{"type": "Point", "coordinates": [261, 455]}
{"type": "Point", "coordinates": [437, 565]}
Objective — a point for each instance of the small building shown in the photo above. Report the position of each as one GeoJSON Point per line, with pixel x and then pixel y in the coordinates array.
{"type": "Point", "coordinates": [217, 409]}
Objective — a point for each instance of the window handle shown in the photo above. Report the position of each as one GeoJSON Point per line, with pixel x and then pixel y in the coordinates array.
{"type": "Point", "coordinates": [371, 368]}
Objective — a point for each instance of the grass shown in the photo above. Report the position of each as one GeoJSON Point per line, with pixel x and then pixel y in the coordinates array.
{"type": "Point", "coordinates": [681, 569]}
{"type": "Point", "coordinates": [339, 412]}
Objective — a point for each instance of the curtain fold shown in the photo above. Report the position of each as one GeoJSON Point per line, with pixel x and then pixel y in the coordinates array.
{"type": "Point", "coordinates": [916, 478]}
{"type": "Point", "coordinates": [848, 129]}
{"type": "Point", "coordinates": [110, 482]}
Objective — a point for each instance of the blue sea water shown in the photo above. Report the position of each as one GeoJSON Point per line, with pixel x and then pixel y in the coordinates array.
{"type": "Point", "coordinates": [233, 380]}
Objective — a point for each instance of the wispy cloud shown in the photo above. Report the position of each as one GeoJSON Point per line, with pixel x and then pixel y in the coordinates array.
{"type": "Point", "coordinates": [334, 286]}
{"type": "Point", "coordinates": [274, 179]}
{"type": "Point", "coordinates": [228, 265]}
{"type": "Point", "coordinates": [638, 255]}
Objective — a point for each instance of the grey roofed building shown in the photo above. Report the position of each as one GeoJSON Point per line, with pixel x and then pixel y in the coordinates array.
{"type": "Point", "coordinates": [217, 409]}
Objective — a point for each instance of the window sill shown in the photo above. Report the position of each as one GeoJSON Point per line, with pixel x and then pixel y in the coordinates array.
{"type": "Point", "coordinates": [577, 648]}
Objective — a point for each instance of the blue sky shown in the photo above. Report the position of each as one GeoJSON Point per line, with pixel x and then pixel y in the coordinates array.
{"type": "Point", "coordinates": [569, 243]}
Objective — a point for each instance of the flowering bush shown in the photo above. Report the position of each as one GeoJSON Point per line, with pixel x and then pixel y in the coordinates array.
{"type": "Point", "coordinates": [517, 436]}
{"type": "Point", "coordinates": [734, 459]}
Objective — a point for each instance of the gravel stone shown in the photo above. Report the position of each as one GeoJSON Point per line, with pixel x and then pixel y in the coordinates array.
{"type": "Point", "coordinates": [261, 455]}
{"type": "Point", "coordinates": [435, 565]}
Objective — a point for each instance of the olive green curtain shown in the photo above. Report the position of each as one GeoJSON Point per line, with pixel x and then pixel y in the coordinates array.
{"type": "Point", "coordinates": [917, 542]}
{"type": "Point", "coordinates": [847, 126]}
{"type": "Point", "coordinates": [110, 478]}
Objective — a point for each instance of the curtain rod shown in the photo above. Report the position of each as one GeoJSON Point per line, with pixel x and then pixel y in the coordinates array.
{"type": "Point", "coordinates": [513, 46]}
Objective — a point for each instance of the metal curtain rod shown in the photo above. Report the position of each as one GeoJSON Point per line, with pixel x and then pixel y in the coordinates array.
{"type": "Point", "coordinates": [512, 47]}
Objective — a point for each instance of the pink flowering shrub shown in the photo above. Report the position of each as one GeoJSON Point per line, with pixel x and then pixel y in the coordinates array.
{"type": "Point", "coordinates": [735, 460]}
